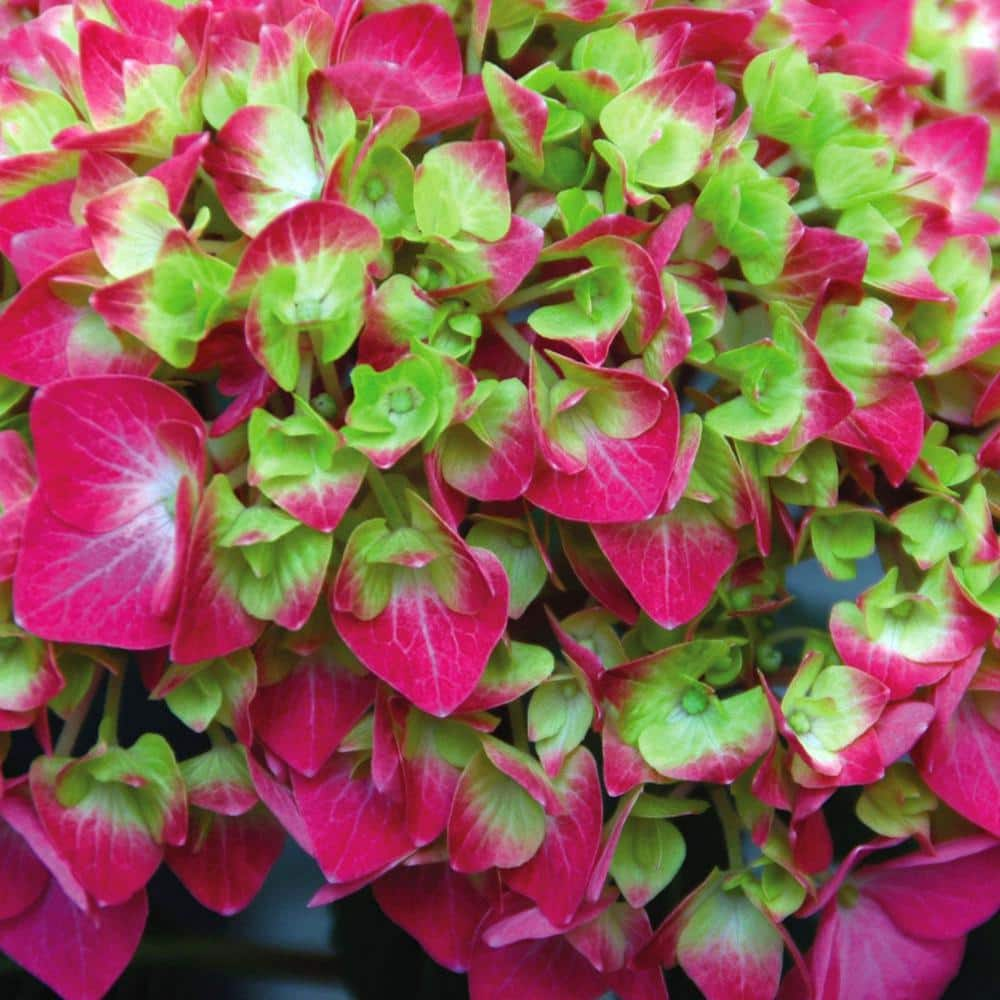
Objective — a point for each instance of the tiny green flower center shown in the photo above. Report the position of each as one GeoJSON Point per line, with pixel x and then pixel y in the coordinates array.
{"type": "Point", "coordinates": [741, 598]}
{"type": "Point", "coordinates": [768, 657]}
{"type": "Point", "coordinates": [374, 188]}
{"type": "Point", "coordinates": [426, 277]}
{"type": "Point", "coordinates": [694, 701]}
{"type": "Point", "coordinates": [308, 310]}
{"type": "Point", "coordinates": [901, 612]}
{"type": "Point", "coordinates": [325, 405]}
{"type": "Point", "coordinates": [401, 401]}
{"type": "Point", "coordinates": [800, 723]}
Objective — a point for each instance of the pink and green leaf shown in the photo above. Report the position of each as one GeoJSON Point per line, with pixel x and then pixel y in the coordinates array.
{"type": "Point", "coordinates": [355, 829]}
{"type": "Point", "coordinates": [679, 725]}
{"type": "Point", "coordinates": [227, 858]}
{"type": "Point", "coordinates": [50, 331]}
{"type": "Point", "coordinates": [490, 455]}
{"type": "Point", "coordinates": [305, 272]}
{"type": "Point", "coordinates": [221, 688]}
{"type": "Point", "coordinates": [556, 878]}
{"type": "Point", "coordinates": [301, 464]}
{"type": "Point", "coordinates": [512, 670]}
{"type": "Point", "coordinates": [616, 419]}
{"type": "Point", "coordinates": [441, 908]}
{"type": "Point", "coordinates": [664, 126]}
{"type": "Point", "coordinates": [511, 542]}
{"type": "Point", "coordinates": [730, 949]}
{"type": "Point", "coordinates": [319, 686]}
{"type": "Point", "coordinates": [671, 563]}
{"type": "Point", "coordinates": [78, 953]}
{"type": "Point", "coordinates": [407, 56]}
{"type": "Point", "coordinates": [88, 818]}
{"type": "Point", "coordinates": [521, 115]}
{"type": "Point", "coordinates": [17, 483]}
{"type": "Point", "coordinates": [262, 161]}
{"type": "Point", "coordinates": [417, 643]}
{"type": "Point", "coordinates": [866, 351]}
{"type": "Point", "coordinates": [649, 854]}
{"type": "Point", "coordinates": [560, 714]}
{"type": "Point", "coordinates": [171, 307]}
{"type": "Point", "coordinates": [211, 621]}
{"type": "Point", "coordinates": [130, 225]}
{"type": "Point", "coordinates": [446, 173]}
{"type": "Point", "coordinates": [219, 781]}
{"type": "Point", "coordinates": [892, 430]}
{"type": "Point", "coordinates": [283, 564]}
{"type": "Point", "coordinates": [907, 640]}
{"type": "Point", "coordinates": [494, 822]}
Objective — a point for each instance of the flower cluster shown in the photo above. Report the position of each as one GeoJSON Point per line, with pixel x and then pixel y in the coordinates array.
{"type": "Point", "coordinates": [428, 401]}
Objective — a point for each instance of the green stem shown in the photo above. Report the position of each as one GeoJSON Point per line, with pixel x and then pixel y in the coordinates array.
{"type": "Point", "coordinates": [785, 634]}
{"type": "Point", "coordinates": [303, 387]}
{"type": "Point", "coordinates": [531, 292]}
{"type": "Point", "coordinates": [514, 340]}
{"type": "Point", "coordinates": [518, 726]}
{"type": "Point", "coordinates": [393, 512]}
{"type": "Point", "coordinates": [9, 281]}
{"type": "Point", "coordinates": [75, 720]}
{"type": "Point", "coordinates": [331, 384]}
{"type": "Point", "coordinates": [730, 823]}
{"type": "Point", "coordinates": [806, 205]}
{"type": "Point", "coordinates": [737, 285]}
{"type": "Point", "coordinates": [217, 737]}
{"type": "Point", "coordinates": [473, 60]}
{"type": "Point", "coordinates": [237, 476]}
{"type": "Point", "coordinates": [782, 165]}
{"type": "Point", "coordinates": [108, 731]}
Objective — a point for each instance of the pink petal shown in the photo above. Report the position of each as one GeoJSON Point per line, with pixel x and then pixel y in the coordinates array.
{"type": "Point", "coordinates": [440, 908]}
{"type": "Point", "coordinates": [227, 858]}
{"type": "Point", "coordinates": [354, 828]}
{"type": "Point", "coordinates": [79, 955]}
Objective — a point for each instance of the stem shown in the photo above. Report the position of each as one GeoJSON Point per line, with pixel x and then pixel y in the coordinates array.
{"type": "Point", "coordinates": [108, 731]}
{"type": "Point", "coordinates": [782, 164]}
{"type": "Point", "coordinates": [330, 378]}
{"type": "Point", "coordinates": [304, 383]}
{"type": "Point", "coordinates": [473, 60]}
{"type": "Point", "coordinates": [807, 205]}
{"type": "Point", "coordinates": [9, 281]}
{"type": "Point", "coordinates": [75, 720]}
{"type": "Point", "coordinates": [217, 736]}
{"type": "Point", "coordinates": [730, 823]}
{"type": "Point", "coordinates": [238, 476]}
{"type": "Point", "coordinates": [518, 726]}
{"type": "Point", "coordinates": [737, 285]}
{"type": "Point", "coordinates": [530, 292]}
{"type": "Point", "coordinates": [785, 634]}
{"type": "Point", "coordinates": [391, 509]}
{"type": "Point", "coordinates": [514, 340]}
